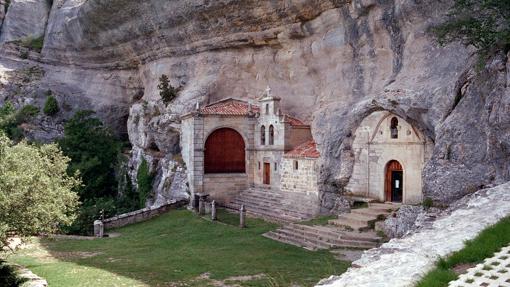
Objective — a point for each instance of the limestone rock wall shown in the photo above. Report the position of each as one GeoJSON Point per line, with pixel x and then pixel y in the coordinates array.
{"type": "Point", "coordinates": [333, 62]}
{"type": "Point", "coordinates": [24, 19]}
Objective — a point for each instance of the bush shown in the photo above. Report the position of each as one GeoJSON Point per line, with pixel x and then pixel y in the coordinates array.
{"type": "Point", "coordinates": [10, 119]}
{"type": "Point", "coordinates": [26, 113]}
{"type": "Point", "coordinates": [51, 106]}
{"type": "Point", "coordinates": [91, 210]}
{"type": "Point", "coordinates": [144, 179]}
{"type": "Point", "coordinates": [166, 91]}
{"type": "Point", "coordinates": [428, 203]}
{"type": "Point", "coordinates": [35, 44]}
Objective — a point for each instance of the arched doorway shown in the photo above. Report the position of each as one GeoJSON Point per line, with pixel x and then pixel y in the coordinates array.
{"type": "Point", "coordinates": [394, 181]}
{"type": "Point", "coordinates": [224, 152]}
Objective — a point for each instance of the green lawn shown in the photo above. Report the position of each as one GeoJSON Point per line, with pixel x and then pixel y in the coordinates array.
{"type": "Point", "coordinates": [178, 249]}
{"type": "Point", "coordinates": [483, 246]}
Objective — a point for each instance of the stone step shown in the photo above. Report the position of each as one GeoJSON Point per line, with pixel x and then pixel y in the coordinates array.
{"type": "Point", "coordinates": [274, 206]}
{"type": "Point", "coordinates": [384, 206]}
{"type": "Point", "coordinates": [371, 212]}
{"type": "Point", "coordinates": [298, 202]}
{"type": "Point", "coordinates": [335, 233]}
{"type": "Point", "coordinates": [289, 240]}
{"type": "Point", "coordinates": [325, 241]}
{"type": "Point", "coordinates": [349, 225]}
{"type": "Point", "coordinates": [358, 218]}
{"type": "Point", "coordinates": [270, 215]}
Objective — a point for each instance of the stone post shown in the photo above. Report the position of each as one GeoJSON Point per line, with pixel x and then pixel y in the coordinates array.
{"type": "Point", "coordinates": [213, 210]}
{"type": "Point", "coordinates": [201, 206]}
{"type": "Point", "coordinates": [242, 217]}
{"type": "Point", "coordinates": [98, 228]}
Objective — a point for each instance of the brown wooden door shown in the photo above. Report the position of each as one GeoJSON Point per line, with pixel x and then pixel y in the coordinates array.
{"type": "Point", "coordinates": [394, 181]}
{"type": "Point", "coordinates": [267, 173]}
{"type": "Point", "coordinates": [224, 152]}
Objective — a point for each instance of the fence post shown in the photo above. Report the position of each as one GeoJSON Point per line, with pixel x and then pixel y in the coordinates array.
{"type": "Point", "coordinates": [201, 205]}
{"type": "Point", "coordinates": [213, 210]}
{"type": "Point", "coordinates": [98, 228]}
{"type": "Point", "coordinates": [242, 216]}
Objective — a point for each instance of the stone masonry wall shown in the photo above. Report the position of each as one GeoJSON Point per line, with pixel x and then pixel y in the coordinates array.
{"type": "Point", "coordinates": [224, 186]}
{"type": "Point", "coordinates": [302, 180]}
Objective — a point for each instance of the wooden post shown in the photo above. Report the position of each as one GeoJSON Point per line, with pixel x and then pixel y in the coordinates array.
{"type": "Point", "coordinates": [213, 210]}
{"type": "Point", "coordinates": [242, 217]}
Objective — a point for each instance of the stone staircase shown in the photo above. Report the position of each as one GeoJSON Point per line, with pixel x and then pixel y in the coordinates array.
{"type": "Point", "coordinates": [276, 206]}
{"type": "Point", "coordinates": [363, 219]}
{"type": "Point", "coordinates": [323, 237]}
{"type": "Point", "coordinates": [349, 231]}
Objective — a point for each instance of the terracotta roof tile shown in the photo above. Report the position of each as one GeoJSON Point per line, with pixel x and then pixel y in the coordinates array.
{"type": "Point", "coordinates": [294, 121]}
{"type": "Point", "coordinates": [230, 107]}
{"type": "Point", "coordinates": [305, 150]}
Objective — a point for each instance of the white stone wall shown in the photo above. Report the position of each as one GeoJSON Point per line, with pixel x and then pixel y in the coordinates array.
{"type": "Point", "coordinates": [302, 180]}
{"type": "Point", "coordinates": [373, 148]}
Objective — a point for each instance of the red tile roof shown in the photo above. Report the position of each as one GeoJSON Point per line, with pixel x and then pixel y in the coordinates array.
{"type": "Point", "coordinates": [294, 121]}
{"type": "Point", "coordinates": [230, 107]}
{"type": "Point", "coordinates": [305, 150]}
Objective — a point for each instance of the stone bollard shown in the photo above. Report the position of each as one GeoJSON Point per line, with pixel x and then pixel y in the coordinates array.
{"type": "Point", "coordinates": [201, 206]}
{"type": "Point", "coordinates": [98, 228]}
{"type": "Point", "coordinates": [213, 210]}
{"type": "Point", "coordinates": [242, 216]}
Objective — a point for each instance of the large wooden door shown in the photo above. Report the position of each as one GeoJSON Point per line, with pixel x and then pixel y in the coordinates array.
{"type": "Point", "coordinates": [394, 181]}
{"type": "Point", "coordinates": [224, 152]}
{"type": "Point", "coordinates": [267, 173]}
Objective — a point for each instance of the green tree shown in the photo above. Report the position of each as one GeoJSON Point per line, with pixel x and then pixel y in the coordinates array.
{"type": "Point", "coordinates": [93, 151]}
{"type": "Point", "coordinates": [166, 91]}
{"type": "Point", "coordinates": [144, 180]}
{"type": "Point", "coordinates": [51, 105]}
{"type": "Point", "coordinates": [36, 192]}
{"type": "Point", "coordinates": [11, 120]}
{"type": "Point", "coordinates": [483, 24]}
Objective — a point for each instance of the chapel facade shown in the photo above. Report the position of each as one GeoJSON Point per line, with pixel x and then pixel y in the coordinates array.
{"type": "Point", "coordinates": [232, 145]}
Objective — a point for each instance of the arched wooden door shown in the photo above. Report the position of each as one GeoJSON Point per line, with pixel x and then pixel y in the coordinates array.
{"type": "Point", "coordinates": [224, 152]}
{"type": "Point", "coordinates": [394, 181]}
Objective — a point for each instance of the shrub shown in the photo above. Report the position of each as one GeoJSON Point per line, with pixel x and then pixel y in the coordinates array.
{"type": "Point", "coordinates": [144, 179]}
{"type": "Point", "coordinates": [428, 203]}
{"type": "Point", "coordinates": [35, 44]}
{"type": "Point", "coordinates": [483, 24]}
{"type": "Point", "coordinates": [26, 113]}
{"type": "Point", "coordinates": [166, 91]}
{"type": "Point", "coordinates": [51, 106]}
{"type": "Point", "coordinates": [10, 119]}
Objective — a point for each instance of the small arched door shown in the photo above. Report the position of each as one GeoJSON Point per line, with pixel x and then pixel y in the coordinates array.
{"type": "Point", "coordinates": [394, 181]}
{"type": "Point", "coordinates": [224, 152]}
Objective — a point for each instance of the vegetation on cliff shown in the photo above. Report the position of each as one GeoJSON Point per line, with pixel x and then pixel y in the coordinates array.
{"type": "Point", "coordinates": [483, 24]}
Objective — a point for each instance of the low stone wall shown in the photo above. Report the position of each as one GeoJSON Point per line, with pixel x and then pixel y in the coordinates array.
{"type": "Point", "coordinates": [141, 214]}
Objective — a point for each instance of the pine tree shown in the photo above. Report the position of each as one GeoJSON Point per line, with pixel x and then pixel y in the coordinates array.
{"type": "Point", "coordinates": [166, 91]}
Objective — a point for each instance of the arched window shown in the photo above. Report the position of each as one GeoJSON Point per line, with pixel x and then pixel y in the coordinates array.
{"type": "Point", "coordinates": [267, 109]}
{"type": "Point", "coordinates": [296, 165]}
{"type": "Point", "coordinates": [271, 135]}
{"type": "Point", "coordinates": [262, 135]}
{"type": "Point", "coordinates": [224, 152]}
{"type": "Point", "coordinates": [394, 128]}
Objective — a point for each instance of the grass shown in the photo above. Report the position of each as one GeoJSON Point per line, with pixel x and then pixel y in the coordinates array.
{"type": "Point", "coordinates": [483, 246]}
{"type": "Point", "coordinates": [178, 249]}
{"type": "Point", "coordinates": [321, 220]}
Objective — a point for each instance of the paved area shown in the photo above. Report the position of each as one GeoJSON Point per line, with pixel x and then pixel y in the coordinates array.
{"type": "Point", "coordinates": [403, 262]}
{"type": "Point", "coordinates": [493, 272]}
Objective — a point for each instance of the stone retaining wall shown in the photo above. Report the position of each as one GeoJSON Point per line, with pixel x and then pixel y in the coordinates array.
{"type": "Point", "coordinates": [141, 214]}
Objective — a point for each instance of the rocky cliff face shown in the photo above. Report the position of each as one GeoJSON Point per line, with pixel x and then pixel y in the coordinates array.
{"type": "Point", "coordinates": [332, 62]}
